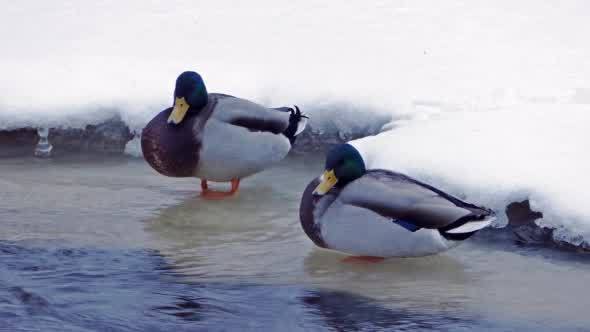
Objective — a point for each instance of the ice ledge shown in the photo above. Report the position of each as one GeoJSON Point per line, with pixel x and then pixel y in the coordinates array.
{"type": "Point", "coordinates": [521, 222]}
{"type": "Point", "coordinates": [110, 136]}
{"type": "Point", "coordinates": [113, 135]}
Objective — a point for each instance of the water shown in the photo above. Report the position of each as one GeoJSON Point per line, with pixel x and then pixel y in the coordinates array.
{"type": "Point", "coordinates": [95, 244]}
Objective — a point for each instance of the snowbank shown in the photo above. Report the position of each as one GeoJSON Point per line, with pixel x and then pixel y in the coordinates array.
{"type": "Point", "coordinates": [72, 64]}
{"type": "Point", "coordinates": [498, 156]}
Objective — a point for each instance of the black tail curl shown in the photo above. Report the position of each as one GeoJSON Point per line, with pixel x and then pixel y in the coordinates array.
{"type": "Point", "coordinates": [294, 119]}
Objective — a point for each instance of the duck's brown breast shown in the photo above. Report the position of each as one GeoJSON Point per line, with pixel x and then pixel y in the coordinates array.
{"type": "Point", "coordinates": [306, 208]}
{"type": "Point", "coordinates": [172, 150]}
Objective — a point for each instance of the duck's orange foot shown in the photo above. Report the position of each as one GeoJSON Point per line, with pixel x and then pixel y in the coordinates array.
{"type": "Point", "coordinates": [215, 195]}
{"type": "Point", "coordinates": [362, 259]}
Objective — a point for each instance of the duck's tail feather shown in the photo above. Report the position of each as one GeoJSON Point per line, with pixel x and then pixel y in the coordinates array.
{"type": "Point", "coordinates": [463, 229]}
{"type": "Point", "coordinates": [297, 123]}
{"type": "Point", "coordinates": [471, 226]}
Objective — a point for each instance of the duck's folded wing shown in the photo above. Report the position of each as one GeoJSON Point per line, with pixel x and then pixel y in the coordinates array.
{"type": "Point", "coordinates": [254, 117]}
{"type": "Point", "coordinates": [401, 198]}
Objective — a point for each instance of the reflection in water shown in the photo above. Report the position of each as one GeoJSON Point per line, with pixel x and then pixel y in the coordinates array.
{"type": "Point", "coordinates": [216, 239]}
{"type": "Point", "coordinates": [344, 312]}
{"type": "Point", "coordinates": [85, 288]}
{"type": "Point", "coordinates": [293, 308]}
{"type": "Point", "coordinates": [429, 282]}
{"type": "Point", "coordinates": [257, 237]}
{"type": "Point", "coordinates": [184, 307]}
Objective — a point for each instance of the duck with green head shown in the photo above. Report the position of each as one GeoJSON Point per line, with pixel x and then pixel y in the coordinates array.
{"type": "Point", "coordinates": [378, 213]}
{"type": "Point", "coordinates": [217, 137]}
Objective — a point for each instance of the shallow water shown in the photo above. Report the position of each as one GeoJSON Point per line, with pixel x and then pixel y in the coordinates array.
{"type": "Point", "coordinates": [89, 244]}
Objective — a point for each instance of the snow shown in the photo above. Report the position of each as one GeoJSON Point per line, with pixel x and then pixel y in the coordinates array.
{"type": "Point", "coordinates": [488, 99]}
{"type": "Point", "coordinates": [497, 156]}
{"type": "Point", "coordinates": [75, 62]}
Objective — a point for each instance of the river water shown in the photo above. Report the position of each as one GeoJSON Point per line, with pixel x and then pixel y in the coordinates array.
{"type": "Point", "coordinates": [105, 244]}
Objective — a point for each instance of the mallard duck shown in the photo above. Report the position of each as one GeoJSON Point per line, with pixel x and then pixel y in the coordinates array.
{"type": "Point", "coordinates": [217, 137]}
{"type": "Point", "coordinates": [379, 213]}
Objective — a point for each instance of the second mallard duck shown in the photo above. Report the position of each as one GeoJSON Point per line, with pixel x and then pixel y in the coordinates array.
{"type": "Point", "coordinates": [217, 137]}
{"type": "Point", "coordinates": [379, 213]}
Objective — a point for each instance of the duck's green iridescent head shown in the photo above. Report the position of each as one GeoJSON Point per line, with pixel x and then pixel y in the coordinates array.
{"type": "Point", "coordinates": [344, 164]}
{"type": "Point", "coordinates": [190, 94]}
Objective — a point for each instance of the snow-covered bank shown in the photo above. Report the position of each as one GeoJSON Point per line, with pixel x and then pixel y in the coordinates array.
{"type": "Point", "coordinates": [495, 157]}
{"type": "Point", "coordinates": [72, 64]}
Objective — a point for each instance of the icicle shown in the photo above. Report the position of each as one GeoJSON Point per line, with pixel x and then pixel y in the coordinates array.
{"type": "Point", "coordinates": [43, 148]}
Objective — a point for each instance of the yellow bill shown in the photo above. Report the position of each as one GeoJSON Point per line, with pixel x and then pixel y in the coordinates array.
{"type": "Point", "coordinates": [328, 179]}
{"type": "Point", "coordinates": [179, 111]}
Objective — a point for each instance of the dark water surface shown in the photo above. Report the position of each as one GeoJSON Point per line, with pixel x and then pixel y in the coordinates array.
{"type": "Point", "coordinates": [88, 244]}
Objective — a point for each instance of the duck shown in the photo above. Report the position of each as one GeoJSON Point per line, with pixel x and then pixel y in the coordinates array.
{"type": "Point", "coordinates": [373, 214]}
{"type": "Point", "coordinates": [217, 137]}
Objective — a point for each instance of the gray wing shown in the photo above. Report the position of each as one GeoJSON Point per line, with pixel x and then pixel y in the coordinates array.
{"type": "Point", "coordinates": [400, 197]}
{"type": "Point", "coordinates": [254, 117]}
